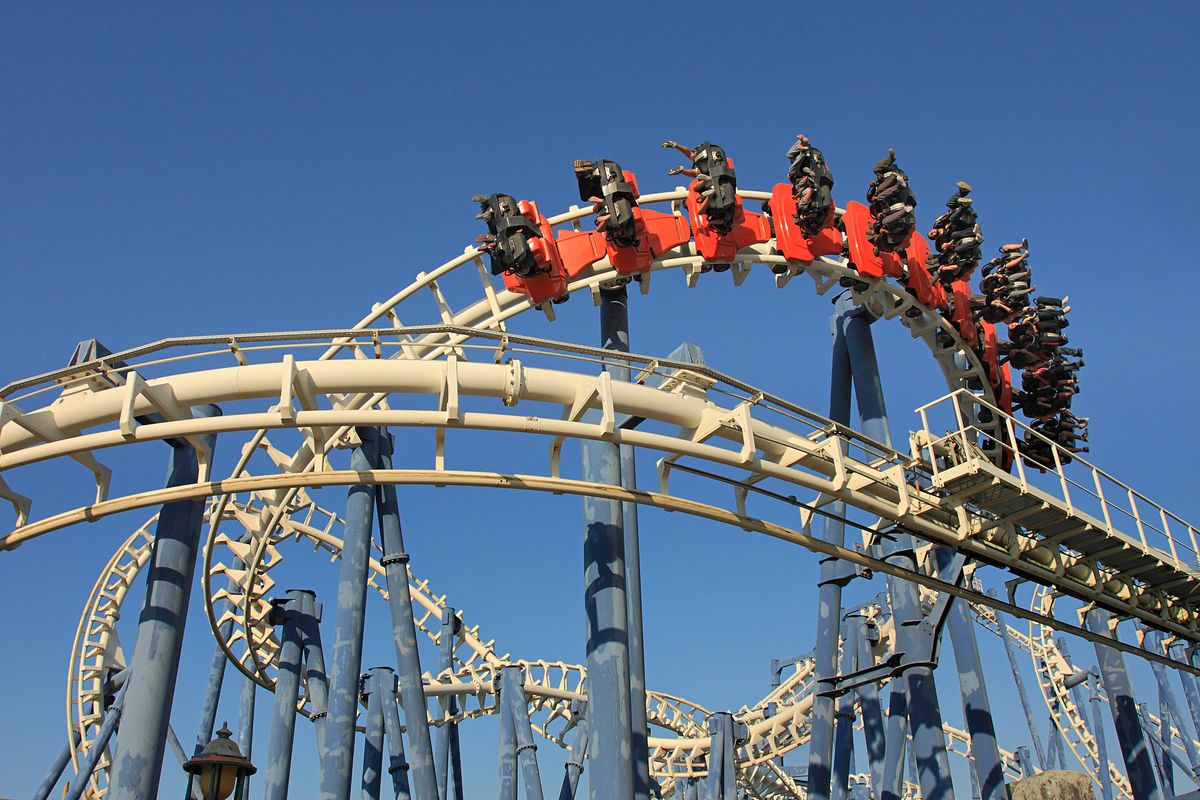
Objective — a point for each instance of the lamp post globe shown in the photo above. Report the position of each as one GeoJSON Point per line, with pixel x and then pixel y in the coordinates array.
{"type": "Point", "coordinates": [219, 769]}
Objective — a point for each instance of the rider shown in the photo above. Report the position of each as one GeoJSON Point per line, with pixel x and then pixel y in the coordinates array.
{"type": "Point", "coordinates": [812, 183]}
{"type": "Point", "coordinates": [710, 165]}
{"type": "Point", "coordinates": [892, 204]}
{"type": "Point", "coordinates": [602, 183]}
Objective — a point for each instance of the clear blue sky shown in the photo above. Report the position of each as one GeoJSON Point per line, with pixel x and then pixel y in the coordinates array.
{"type": "Point", "coordinates": [169, 171]}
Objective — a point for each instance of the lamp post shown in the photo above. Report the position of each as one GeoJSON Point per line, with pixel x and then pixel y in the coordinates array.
{"type": "Point", "coordinates": [219, 769]}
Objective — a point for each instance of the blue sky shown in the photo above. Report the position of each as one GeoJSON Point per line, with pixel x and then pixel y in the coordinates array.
{"type": "Point", "coordinates": [170, 171]}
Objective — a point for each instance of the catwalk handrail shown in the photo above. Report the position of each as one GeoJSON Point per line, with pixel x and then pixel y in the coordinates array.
{"type": "Point", "coordinates": [967, 435]}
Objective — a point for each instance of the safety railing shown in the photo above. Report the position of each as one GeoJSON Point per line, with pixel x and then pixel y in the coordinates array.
{"type": "Point", "coordinates": [170, 356]}
{"type": "Point", "coordinates": [1081, 487]}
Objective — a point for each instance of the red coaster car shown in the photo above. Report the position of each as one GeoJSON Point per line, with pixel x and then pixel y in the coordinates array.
{"type": "Point", "coordinates": [631, 236]}
{"type": "Point", "coordinates": [961, 314]}
{"type": "Point", "coordinates": [857, 221]}
{"type": "Point", "coordinates": [791, 240]}
{"type": "Point", "coordinates": [746, 228]}
{"type": "Point", "coordinates": [929, 294]}
{"type": "Point", "coordinates": [998, 374]}
{"type": "Point", "coordinates": [521, 246]}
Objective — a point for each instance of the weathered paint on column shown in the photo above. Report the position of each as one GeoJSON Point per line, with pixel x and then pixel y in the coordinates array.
{"type": "Point", "coordinates": [337, 761]}
{"type": "Point", "coordinates": [385, 683]}
{"type": "Point", "coordinates": [404, 633]}
{"type": "Point", "coordinates": [1019, 679]}
{"type": "Point", "coordinates": [112, 718]}
{"type": "Point", "coordinates": [246, 728]}
{"type": "Point", "coordinates": [316, 680]}
{"type": "Point", "coordinates": [606, 612]}
{"type": "Point", "coordinates": [512, 694]}
{"type": "Point", "coordinates": [1123, 707]}
{"type": "Point", "coordinates": [843, 732]}
{"type": "Point", "coordinates": [56, 768]}
{"type": "Point", "coordinates": [872, 712]}
{"type": "Point", "coordinates": [372, 761]}
{"type": "Point", "coordinates": [449, 762]}
{"type": "Point", "coordinates": [977, 709]}
{"type": "Point", "coordinates": [154, 666]}
{"type": "Point", "coordinates": [573, 768]}
{"type": "Point", "coordinates": [277, 770]}
{"type": "Point", "coordinates": [833, 575]}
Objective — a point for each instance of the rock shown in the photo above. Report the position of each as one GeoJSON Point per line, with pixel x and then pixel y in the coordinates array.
{"type": "Point", "coordinates": [1055, 784]}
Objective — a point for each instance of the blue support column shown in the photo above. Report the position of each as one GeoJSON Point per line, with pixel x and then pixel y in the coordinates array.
{"type": "Point", "coordinates": [1106, 788]}
{"type": "Point", "coordinates": [1123, 707]}
{"type": "Point", "coordinates": [843, 735]}
{"type": "Point", "coordinates": [449, 764]}
{"type": "Point", "coordinates": [372, 762]}
{"type": "Point", "coordinates": [1019, 679]}
{"type": "Point", "coordinates": [925, 717]}
{"type": "Point", "coordinates": [573, 768]}
{"type": "Point", "coordinates": [977, 709]}
{"type": "Point", "coordinates": [872, 712]}
{"type": "Point", "coordinates": [137, 764]}
{"type": "Point", "coordinates": [56, 769]}
{"type": "Point", "coordinates": [404, 633]}
{"type": "Point", "coordinates": [212, 694]}
{"type": "Point", "coordinates": [278, 769]}
{"type": "Point", "coordinates": [1191, 692]}
{"type": "Point", "coordinates": [337, 761]}
{"type": "Point", "coordinates": [614, 335]}
{"type": "Point", "coordinates": [246, 728]}
{"type": "Point", "coordinates": [1169, 706]}
{"type": "Point", "coordinates": [507, 759]}
{"type": "Point", "coordinates": [512, 694]}
{"type": "Point", "coordinates": [897, 742]}
{"type": "Point", "coordinates": [606, 611]}
{"type": "Point", "coordinates": [1162, 768]}
{"type": "Point", "coordinates": [316, 680]}
{"type": "Point", "coordinates": [832, 576]}
{"type": "Point", "coordinates": [385, 683]}
{"type": "Point", "coordinates": [112, 718]}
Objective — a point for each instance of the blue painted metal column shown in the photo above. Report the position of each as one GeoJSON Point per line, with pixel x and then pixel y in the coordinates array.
{"type": "Point", "coordinates": [1106, 788]}
{"type": "Point", "coordinates": [607, 615]}
{"type": "Point", "coordinates": [1170, 707]}
{"type": "Point", "coordinates": [925, 717]}
{"type": "Point", "coordinates": [1191, 693]}
{"type": "Point", "coordinates": [385, 684]}
{"type": "Point", "coordinates": [246, 728]}
{"type": "Point", "coordinates": [1124, 710]}
{"type": "Point", "coordinates": [212, 694]}
{"type": "Point", "coordinates": [897, 741]}
{"type": "Point", "coordinates": [512, 694]}
{"type": "Point", "coordinates": [423, 775]}
{"type": "Point", "coordinates": [507, 759]}
{"type": "Point", "coordinates": [112, 719]}
{"type": "Point", "coordinates": [337, 761]}
{"type": "Point", "coordinates": [277, 771]}
{"type": "Point", "coordinates": [372, 761]}
{"type": "Point", "coordinates": [872, 712]}
{"type": "Point", "coordinates": [449, 773]}
{"type": "Point", "coordinates": [832, 576]}
{"type": "Point", "coordinates": [843, 735]}
{"type": "Point", "coordinates": [137, 763]}
{"type": "Point", "coordinates": [56, 769]}
{"type": "Point", "coordinates": [316, 680]}
{"type": "Point", "coordinates": [977, 709]}
{"type": "Point", "coordinates": [573, 768]}
{"type": "Point", "coordinates": [1019, 679]}
{"type": "Point", "coordinates": [614, 335]}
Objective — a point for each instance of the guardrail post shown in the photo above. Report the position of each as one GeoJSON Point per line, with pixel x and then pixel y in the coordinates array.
{"type": "Point", "coordinates": [137, 764]}
{"type": "Point", "coordinates": [1123, 706]}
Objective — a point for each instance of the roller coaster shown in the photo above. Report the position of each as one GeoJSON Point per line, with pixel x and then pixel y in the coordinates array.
{"type": "Point", "coordinates": [962, 506]}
